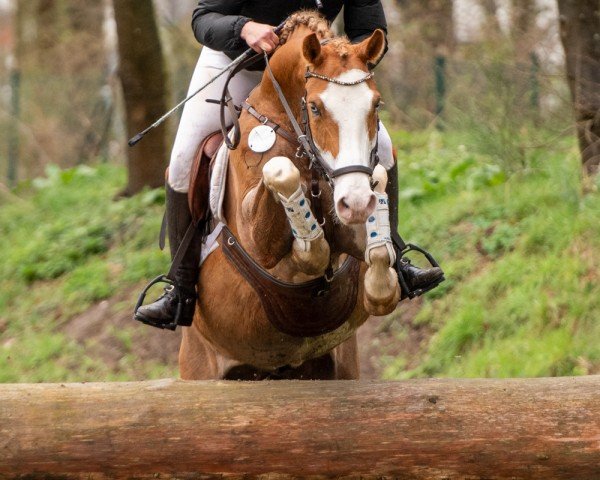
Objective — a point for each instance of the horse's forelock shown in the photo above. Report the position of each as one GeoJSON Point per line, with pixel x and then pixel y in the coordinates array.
{"type": "Point", "coordinates": [311, 19]}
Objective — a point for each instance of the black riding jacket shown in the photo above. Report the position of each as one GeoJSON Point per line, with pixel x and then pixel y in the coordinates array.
{"type": "Point", "coordinates": [218, 23]}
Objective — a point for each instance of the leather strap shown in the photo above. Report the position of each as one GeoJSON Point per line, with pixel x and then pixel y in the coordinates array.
{"type": "Point", "coordinates": [265, 121]}
{"type": "Point", "coordinates": [181, 251]}
{"type": "Point", "coordinates": [317, 206]}
{"type": "Point", "coordinates": [226, 101]}
{"type": "Point", "coordinates": [398, 241]}
{"type": "Point", "coordinates": [307, 309]}
{"type": "Point", "coordinates": [338, 172]}
{"type": "Point", "coordinates": [162, 236]}
{"type": "Point", "coordinates": [286, 106]}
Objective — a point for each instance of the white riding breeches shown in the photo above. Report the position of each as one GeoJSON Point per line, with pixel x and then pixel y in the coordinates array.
{"type": "Point", "coordinates": [199, 118]}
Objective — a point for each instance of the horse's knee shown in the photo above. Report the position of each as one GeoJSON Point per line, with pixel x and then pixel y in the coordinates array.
{"type": "Point", "coordinates": [281, 176]}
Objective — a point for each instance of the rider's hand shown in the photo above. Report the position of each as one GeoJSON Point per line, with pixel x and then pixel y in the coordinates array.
{"type": "Point", "coordinates": [260, 37]}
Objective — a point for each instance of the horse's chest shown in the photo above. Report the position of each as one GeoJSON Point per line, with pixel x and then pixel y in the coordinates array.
{"type": "Point", "coordinates": [239, 326]}
{"type": "Point", "coordinates": [267, 348]}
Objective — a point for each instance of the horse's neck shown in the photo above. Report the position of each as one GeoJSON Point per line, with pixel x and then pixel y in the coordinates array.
{"type": "Point", "coordinates": [288, 66]}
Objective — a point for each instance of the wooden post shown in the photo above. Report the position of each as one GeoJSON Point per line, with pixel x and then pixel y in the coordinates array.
{"type": "Point", "coordinates": [534, 83]}
{"type": "Point", "coordinates": [440, 88]}
{"type": "Point", "coordinates": [13, 130]}
{"type": "Point", "coordinates": [422, 429]}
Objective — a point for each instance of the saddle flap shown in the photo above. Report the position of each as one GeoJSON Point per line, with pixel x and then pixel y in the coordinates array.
{"type": "Point", "coordinates": [200, 176]}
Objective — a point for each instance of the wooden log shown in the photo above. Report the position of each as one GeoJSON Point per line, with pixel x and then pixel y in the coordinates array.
{"type": "Point", "coordinates": [423, 429]}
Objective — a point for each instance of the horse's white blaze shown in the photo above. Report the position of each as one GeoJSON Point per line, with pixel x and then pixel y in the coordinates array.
{"type": "Point", "coordinates": [350, 106]}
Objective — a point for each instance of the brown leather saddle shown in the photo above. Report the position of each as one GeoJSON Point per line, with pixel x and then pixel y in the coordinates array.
{"type": "Point", "coordinates": [199, 188]}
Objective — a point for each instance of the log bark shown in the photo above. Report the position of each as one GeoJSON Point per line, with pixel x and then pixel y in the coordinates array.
{"type": "Point", "coordinates": [580, 35]}
{"type": "Point", "coordinates": [421, 429]}
{"type": "Point", "coordinates": [144, 82]}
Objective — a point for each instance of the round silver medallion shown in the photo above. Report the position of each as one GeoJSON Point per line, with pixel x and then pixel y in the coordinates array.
{"type": "Point", "coordinates": [261, 138]}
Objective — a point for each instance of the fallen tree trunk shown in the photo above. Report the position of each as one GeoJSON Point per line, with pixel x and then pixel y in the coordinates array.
{"type": "Point", "coordinates": [423, 429]}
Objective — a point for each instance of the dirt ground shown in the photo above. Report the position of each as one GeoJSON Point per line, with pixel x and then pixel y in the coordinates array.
{"type": "Point", "coordinates": [100, 329]}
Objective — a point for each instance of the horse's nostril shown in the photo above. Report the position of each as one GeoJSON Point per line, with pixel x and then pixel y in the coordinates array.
{"type": "Point", "coordinates": [344, 203]}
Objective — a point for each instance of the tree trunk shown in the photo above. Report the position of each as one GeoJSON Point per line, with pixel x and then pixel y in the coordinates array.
{"type": "Point", "coordinates": [48, 32]}
{"type": "Point", "coordinates": [491, 16]}
{"type": "Point", "coordinates": [144, 89]}
{"type": "Point", "coordinates": [580, 35]}
{"type": "Point", "coordinates": [85, 25]}
{"type": "Point", "coordinates": [428, 27]}
{"type": "Point", "coordinates": [420, 429]}
{"type": "Point", "coordinates": [13, 152]}
{"type": "Point", "coordinates": [525, 35]}
{"type": "Point", "coordinates": [435, 22]}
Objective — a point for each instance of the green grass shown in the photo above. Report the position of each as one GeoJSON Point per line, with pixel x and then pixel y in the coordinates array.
{"type": "Point", "coordinates": [67, 246]}
{"type": "Point", "coordinates": [522, 257]}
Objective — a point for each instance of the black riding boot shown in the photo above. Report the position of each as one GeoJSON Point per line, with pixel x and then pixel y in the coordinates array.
{"type": "Point", "coordinates": [416, 278]}
{"type": "Point", "coordinates": [163, 312]}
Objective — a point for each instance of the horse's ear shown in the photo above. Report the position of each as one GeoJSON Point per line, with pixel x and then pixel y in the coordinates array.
{"type": "Point", "coordinates": [372, 49]}
{"type": "Point", "coordinates": [311, 48]}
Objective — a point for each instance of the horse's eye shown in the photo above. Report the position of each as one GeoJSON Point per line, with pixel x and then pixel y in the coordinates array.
{"type": "Point", "coordinates": [314, 109]}
{"type": "Point", "coordinates": [378, 105]}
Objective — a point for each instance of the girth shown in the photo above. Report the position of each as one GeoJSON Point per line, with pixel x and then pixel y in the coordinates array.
{"type": "Point", "coordinates": [307, 309]}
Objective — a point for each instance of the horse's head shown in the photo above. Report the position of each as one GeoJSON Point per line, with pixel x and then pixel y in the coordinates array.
{"type": "Point", "coordinates": [342, 102]}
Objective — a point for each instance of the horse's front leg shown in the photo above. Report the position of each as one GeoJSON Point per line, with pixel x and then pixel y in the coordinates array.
{"type": "Point", "coordinates": [382, 289]}
{"type": "Point", "coordinates": [310, 250]}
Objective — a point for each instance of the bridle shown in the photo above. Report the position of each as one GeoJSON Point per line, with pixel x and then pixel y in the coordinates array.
{"type": "Point", "coordinates": [307, 146]}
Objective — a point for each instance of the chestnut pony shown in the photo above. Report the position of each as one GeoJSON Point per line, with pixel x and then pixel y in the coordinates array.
{"type": "Point", "coordinates": [232, 335]}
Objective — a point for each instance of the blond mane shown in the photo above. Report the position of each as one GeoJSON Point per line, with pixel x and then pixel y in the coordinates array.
{"type": "Point", "coordinates": [309, 18]}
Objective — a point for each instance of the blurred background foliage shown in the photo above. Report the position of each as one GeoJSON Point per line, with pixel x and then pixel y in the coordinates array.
{"type": "Point", "coordinates": [481, 115]}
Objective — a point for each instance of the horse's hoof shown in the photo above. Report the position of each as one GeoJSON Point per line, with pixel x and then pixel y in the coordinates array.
{"type": "Point", "coordinates": [381, 298]}
{"type": "Point", "coordinates": [313, 261]}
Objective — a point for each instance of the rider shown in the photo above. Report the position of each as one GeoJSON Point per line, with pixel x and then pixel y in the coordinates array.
{"type": "Point", "coordinates": [226, 28]}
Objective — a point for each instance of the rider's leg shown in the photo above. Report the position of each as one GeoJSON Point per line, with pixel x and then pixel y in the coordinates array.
{"type": "Point", "coordinates": [198, 120]}
{"type": "Point", "coordinates": [415, 277]}
{"type": "Point", "coordinates": [163, 311]}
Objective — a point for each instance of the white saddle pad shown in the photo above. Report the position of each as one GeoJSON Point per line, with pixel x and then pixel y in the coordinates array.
{"type": "Point", "coordinates": [217, 183]}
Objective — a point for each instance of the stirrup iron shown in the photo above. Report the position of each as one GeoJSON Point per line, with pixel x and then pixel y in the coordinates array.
{"type": "Point", "coordinates": [406, 291]}
{"type": "Point", "coordinates": [163, 326]}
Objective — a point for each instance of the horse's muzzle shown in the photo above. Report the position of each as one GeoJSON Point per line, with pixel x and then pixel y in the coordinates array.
{"type": "Point", "coordinates": [353, 198]}
{"type": "Point", "coordinates": [353, 209]}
